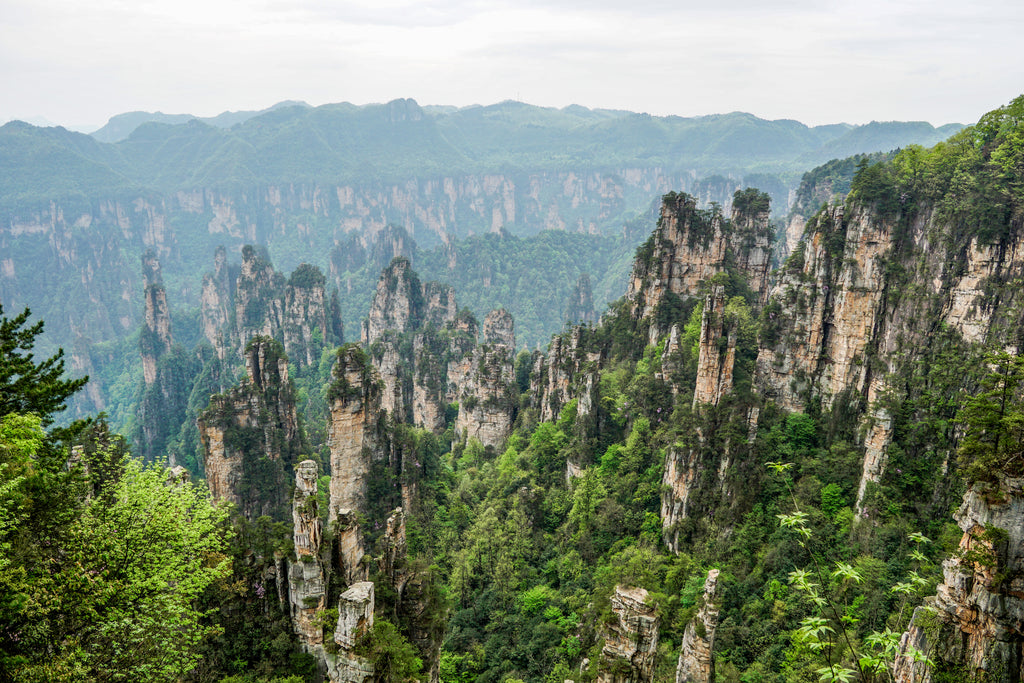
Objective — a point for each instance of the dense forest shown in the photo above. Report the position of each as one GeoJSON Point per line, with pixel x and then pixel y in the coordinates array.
{"type": "Point", "coordinates": [735, 474]}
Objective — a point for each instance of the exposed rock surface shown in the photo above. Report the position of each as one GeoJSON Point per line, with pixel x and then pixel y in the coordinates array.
{"type": "Point", "coordinates": [251, 436]}
{"type": "Point", "coordinates": [353, 431]}
{"type": "Point", "coordinates": [580, 310]}
{"type": "Point", "coordinates": [558, 375]}
{"type": "Point", "coordinates": [978, 617]}
{"type": "Point", "coordinates": [499, 329]}
{"type": "Point", "coordinates": [307, 591]}
{"type": "Point", "coordinates": [487, 400]}
{"type": "Point", "coordinates": [631, 640]}
{"type": "Point", "coordinates": [714, 363]}
{"type": "Point", "coordinates": [691, 245]}
{"type": "Point", "coordinates": [355, 618]}
{"type": "Point", "coordinates": [215, 304]}
{"type": "Point", "coordinates": [696, 664]}
{"type": "Point", "coordinates": [155, 339]}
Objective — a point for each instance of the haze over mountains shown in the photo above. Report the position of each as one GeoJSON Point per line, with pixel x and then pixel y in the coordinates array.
{"type": "Point", "coordinates": [320, 185]}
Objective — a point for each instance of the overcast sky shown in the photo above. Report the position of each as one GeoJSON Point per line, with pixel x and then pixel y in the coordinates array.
{"type": "Point", "coordinates": [78, 62]}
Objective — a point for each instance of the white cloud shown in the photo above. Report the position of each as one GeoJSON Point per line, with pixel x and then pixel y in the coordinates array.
{"type": "Point", "coordinates": [814, 61]}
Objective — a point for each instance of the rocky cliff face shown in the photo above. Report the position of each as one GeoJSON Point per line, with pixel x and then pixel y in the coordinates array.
{"type": "Point", "coordinates": [568, 366]}
{"type": "Point", "coordinates": [696, 664]}
{"type": "Point", "coordinates": [251, 436]}
{"type": "Point", "coordinates": [692, 245]}
{"type": "Point", "coordinates": [487, 400]}
{"type": "Point", "coordinates": [355, 618]}
{"type": "Point", "coordinates": [864, 296]}
{"type": "Point", "coordinates": [976, 621]}
{"type": "Point", "coordinates": [717, 351]}
{"type": "Point", "coordinates": [155, 340]}
{"type": "Point", "coordinates": [630, 640]}
{"type": "Point", "coordinates": [307, 589]}
{"type": "Point", "coordinates": [215, 304]}
{"type": "Point", "coordinates": [353, 431]}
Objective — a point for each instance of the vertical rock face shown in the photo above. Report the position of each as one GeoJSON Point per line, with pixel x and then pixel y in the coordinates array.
{"type": "Point", "coordinates": [251, 435]}
{"type": "Point", "coordinates": [830, 302]}
{"type": "Point", "coordinates": [714, 363]}
{"type": "Point", "coordinates": [355, 618]}
{"type": "Point", "coordinates": [679, 480]}
{"type": "Point", "coordinates": [260, 302]}
{"type": "Point", "coordinates": [631, 640]}
{"type": "Point", "coordinates": [215, 304]}
{"type": "Point", "coordinates": [398, 303]}
{"type": "Point", "coordinates": [487, 399]}
{"type": "Point", "coordinates": [978, 617]}
{"type": "Point", "coordinates": [306, 322]}
{"type": "Point", "coordinates": [155, 340]}
{"type": "Point", "coordinates": [352, 434]}
{"type": "Point", "coordinates": [692, 245]}
{"type": "Point", "coordinates": [581, 309]}
{"type": "Point", "coordinates": [306, 588]}
{"type": "Point", "coordinates": [696, 664]}
{"type": "Point", "coordinates": [355, 614]}
{"type": "Point", "coordinates": [440, 308]}
{"type": "Point", "coordinates": [567, 365]}
{"type": "Point", "coordinates": [259, 294]}
{"type": "Point", "coordinates": [499, 329]}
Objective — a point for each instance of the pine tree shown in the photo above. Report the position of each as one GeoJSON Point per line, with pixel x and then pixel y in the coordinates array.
{"type": "Point", "coordinates": [27, 386]}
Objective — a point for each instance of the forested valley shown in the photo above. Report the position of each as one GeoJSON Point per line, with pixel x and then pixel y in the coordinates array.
{"type": "Point", "coordinates": [777, 457]}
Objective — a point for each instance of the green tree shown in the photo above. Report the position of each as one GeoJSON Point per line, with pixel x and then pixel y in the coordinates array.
{"type": "Point", "coordinates": [993, 421]}
{"type": "Point", "coordinates": [27, 386]}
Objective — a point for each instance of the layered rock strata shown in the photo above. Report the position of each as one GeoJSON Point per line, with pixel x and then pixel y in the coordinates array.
{"type": "Point", "coordinates": [251, 435]}
{"type": "Point", "coordinates": [717, 351]}
{"type": "Point", "coordinates": [630, 639]}
{"type": "Point", "coordinates": [307, 591]}
{"type": "Point", "coordinates": [976, 620]}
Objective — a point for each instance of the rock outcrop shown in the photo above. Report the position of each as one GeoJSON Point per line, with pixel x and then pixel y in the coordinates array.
{"type": "Point", "coordinates": [568, 365]}
{"type": "Point", "coordinates": [355, 618]}
{"type": "Point", "coordinates": [487, 396]}
{"type": "Point", "coordinates": [251, 436]}
{"type": "Point", "coordinates": [353, 431]}
{"type": "Point", "coordinates": [696, 664]}
{"type": "Point", "coordinates": [307, 590]}
{"type": "Point", "coordinates": [630, 639]}
{"type": "Point", "coordinates": [691, 245]}
{"type": "Point", "coordinates": [976, 620]}
{"type": "Point", "coordinates": [717, 351]}
{"type": "Point", "coordinates": [215, 304]}
{"type": "Point", "coordinates": [155, 340]}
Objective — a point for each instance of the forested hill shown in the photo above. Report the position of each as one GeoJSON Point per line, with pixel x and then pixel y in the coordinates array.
{"type": "Point", "coordinates": [344, 143]}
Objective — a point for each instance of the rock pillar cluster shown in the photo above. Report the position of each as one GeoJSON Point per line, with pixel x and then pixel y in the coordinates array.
{"type": "Point", "coordinates": [251, 436]}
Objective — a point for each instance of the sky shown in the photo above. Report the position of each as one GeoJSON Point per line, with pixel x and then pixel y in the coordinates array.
{"type": "Point", "coordinates": [78, 63]}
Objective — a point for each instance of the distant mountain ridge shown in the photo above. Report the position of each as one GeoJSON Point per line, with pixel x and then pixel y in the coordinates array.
{"type": "Point", "coordinates": [121, 126]}
{"type": "Point", "coordinates": [342, 143]}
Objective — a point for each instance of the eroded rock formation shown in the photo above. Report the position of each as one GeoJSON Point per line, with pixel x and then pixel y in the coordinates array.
{"type": "Point", "coordinates": [630, 640]}
{"type": "Point", "coordinates": [307, 591]}
{"type": "Point", "coordinates": [717, 351]}
{"type": "Point", "coordinates": [696, 663]}
{"type": "Point", "coordinates": [691, 245]}
{"type": "Point", "coordinates": [251, 437]}
{"type": "Point", "coordinates": [976, 620]}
